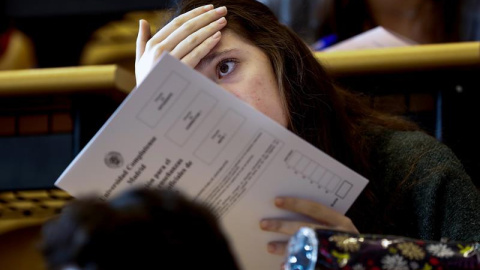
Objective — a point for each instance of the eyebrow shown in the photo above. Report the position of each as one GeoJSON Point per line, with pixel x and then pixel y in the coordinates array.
{"type": "Point", "coordinates": [212, 56]}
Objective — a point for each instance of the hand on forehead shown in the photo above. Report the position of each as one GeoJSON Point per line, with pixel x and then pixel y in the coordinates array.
{"type": "Point", "coordinates": [189, 37]}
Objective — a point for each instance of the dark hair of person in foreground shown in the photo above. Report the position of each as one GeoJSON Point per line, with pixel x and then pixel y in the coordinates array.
{"type": "Point", "coordinates": [140, 229]}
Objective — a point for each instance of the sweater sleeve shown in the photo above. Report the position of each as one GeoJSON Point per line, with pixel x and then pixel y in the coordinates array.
{"type": "Point", "coordinates": [444, 201]}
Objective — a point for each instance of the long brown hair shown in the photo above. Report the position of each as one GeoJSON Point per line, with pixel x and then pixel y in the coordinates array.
{"type": "Point", "coordinates": [330, 118]}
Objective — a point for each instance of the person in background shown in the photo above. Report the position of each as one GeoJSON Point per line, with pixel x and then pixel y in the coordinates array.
{"type": "Point", "coordinates": [139, 229]}
{"type": "Point", "coordinates": [16, 49]}
{"type": "Point", "coordinates": [418, 188]}
{"type": "Point", "coordinates": [423, 21]}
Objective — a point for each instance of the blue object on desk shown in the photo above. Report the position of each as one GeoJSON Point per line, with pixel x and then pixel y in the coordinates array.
{"type": "Point", "coordinates": [325, 42]}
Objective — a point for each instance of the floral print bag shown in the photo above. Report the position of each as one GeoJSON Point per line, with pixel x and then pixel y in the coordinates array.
{"type": "Point", "coordinates": [323, 249]}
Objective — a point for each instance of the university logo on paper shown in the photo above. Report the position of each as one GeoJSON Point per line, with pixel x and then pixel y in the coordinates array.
{"type": "Point", "coordinates": [114, 160]}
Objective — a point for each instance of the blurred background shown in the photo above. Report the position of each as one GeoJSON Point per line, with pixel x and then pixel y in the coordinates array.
{"type": "Point", "coordinates": [65, 66]}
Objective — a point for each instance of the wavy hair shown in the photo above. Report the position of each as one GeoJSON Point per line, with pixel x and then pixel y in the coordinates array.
{"type": "Point", "coordinates": [330, 118]}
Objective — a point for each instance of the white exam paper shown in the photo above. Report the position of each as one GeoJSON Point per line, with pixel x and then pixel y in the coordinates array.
{"type": "Point", "coordinates": [180, 130]}
{"type": "Point", "coordinates": [377, 37]}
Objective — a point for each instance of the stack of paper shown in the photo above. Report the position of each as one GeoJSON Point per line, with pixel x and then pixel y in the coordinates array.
{"type": "Point", "coordinates": [179, 130]}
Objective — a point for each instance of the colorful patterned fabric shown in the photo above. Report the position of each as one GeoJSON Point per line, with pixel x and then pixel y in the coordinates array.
{"type": "Point", "coordinates": [338, 250]}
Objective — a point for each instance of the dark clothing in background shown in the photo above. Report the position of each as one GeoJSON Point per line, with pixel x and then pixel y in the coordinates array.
{"type": "Point", "coordinates": [423, 191]}
{"type": "Point", "coordinates": [470, 20]}
{"type": "Point", "coordinates": [299, 15]}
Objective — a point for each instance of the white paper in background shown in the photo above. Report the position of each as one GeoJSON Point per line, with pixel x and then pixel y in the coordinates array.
{"type": "Point", "coordinates": [180, 130]}
{"type": "Point", "coordinates": [377, 37]}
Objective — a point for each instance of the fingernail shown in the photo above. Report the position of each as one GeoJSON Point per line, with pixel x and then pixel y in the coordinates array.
{"type": "Point", "coordinates": [271, 248]}
{"type": "Point", "coordinates": [279, 201]}
{"type": "Point", "coordinates": [217, 35]}
{"type": "Point", "coordinates": [208, 7]}
{"type": "Point", "coordinates": [264, 224]}
{"type": "Point", "coordinates": [221, 10]}
{"type": "Point", "coordinates": [222, 20]}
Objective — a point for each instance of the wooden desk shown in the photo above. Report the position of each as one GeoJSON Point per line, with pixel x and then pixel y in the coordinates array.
{"type": "Point", "coordinates": [88, 94]}
{"type": "Point", "coordinates": [108, 79]}
{"type": "Point", "coordinates": [402, 59]}
{"type": "Point", "coordinates": [19, 248]}
{"type": "Point", "coordinates": [34, 150]}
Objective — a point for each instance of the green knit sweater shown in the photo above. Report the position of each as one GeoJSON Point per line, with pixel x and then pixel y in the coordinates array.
{"type": "Point", "coordinates": [421, 191]}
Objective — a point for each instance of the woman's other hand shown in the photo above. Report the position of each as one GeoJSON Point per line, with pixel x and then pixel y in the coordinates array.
{"type": "Point", "coordinates": [189, 38]}
{"type": "Point", "coordinates": [325, 218]}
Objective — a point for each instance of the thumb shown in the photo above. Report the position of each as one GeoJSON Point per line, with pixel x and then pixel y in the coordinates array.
{"type": "Point", "coordinates": [144, 35]}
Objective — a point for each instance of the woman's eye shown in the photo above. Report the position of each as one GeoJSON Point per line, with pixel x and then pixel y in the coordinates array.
{"type": "Point", "coordinates": [225, 67]}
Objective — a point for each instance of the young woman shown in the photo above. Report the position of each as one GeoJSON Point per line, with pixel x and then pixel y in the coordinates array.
{"type": "Point", "coordinates": [417, 188]}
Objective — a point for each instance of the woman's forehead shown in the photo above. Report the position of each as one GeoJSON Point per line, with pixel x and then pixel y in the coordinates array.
{"type": "Point", "coordinates": [229, 44]}
{"type": "Point", "coordinates": [231, 39]}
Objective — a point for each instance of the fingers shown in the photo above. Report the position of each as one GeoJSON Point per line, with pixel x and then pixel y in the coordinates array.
{"type": "Point", "coordinates": [192, 41]}
{"type": "Point", "coordinates": [328, 219]}
{"type": "Point", "coordinates": [278, 248]}
{"type": "Point", "coordinates": [311, 209]}
{"type": "Point", "coordinates": [142, 38]}
{"type": "Point", "coordinates": [194, 33]}
{"type": "Point", "coordinates": [198, 53]}
{"type": "Point", "coordinates": [180, 28]}
{"type": "Point", "coordinates": [287, 226]}
{"type": "Point", "coordinates": [194, 25]}
{"type": "Point", "coordinates": [179, 21]}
